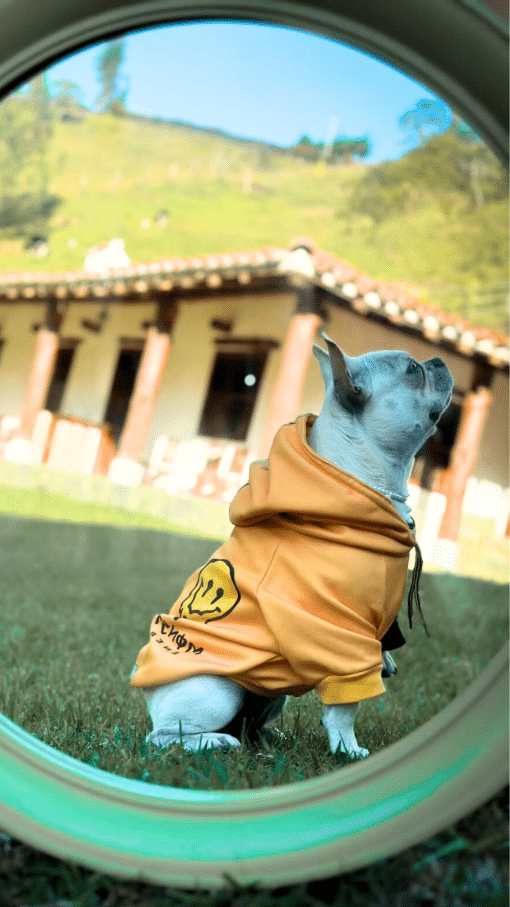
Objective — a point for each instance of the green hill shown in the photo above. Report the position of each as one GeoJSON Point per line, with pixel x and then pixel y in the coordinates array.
{"type": "Point", "coordinates": [416, 220]}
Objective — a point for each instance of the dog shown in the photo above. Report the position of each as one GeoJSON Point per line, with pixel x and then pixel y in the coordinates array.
{"type": "Point", "coordinates": [306, 591]}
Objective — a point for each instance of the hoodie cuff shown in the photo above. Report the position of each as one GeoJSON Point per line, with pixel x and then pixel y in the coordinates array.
{"type": "Point", "coordinates": [337, 690]}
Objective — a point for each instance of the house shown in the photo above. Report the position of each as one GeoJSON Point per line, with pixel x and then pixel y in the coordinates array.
{"type": "Point", "coordinates": [178, 354]}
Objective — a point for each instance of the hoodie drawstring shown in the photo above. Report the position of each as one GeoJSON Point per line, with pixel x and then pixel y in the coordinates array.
{"type": "Point", "coordinates": [414, 595]}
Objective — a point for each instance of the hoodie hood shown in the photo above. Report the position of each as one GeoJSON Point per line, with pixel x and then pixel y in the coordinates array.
{"type": "Point", "coordinates": [297, 484]}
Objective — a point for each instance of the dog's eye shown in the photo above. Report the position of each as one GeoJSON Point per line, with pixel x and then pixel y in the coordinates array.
{"type": "Point", "coordinates": [413, 367]}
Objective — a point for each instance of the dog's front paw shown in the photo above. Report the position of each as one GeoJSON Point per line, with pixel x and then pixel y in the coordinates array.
{"type": "Point", "coordinates": [347, 745]}
{"type": "Point", "coordinates": [338, 721]}
{"type": "Point", "coordinates": [354, 752]}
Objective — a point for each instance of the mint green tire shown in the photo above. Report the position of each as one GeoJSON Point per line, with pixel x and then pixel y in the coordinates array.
{"type": "Point", "coordinates": [273, 836]}
{"type": "Point", "coordinates": [394, 799]}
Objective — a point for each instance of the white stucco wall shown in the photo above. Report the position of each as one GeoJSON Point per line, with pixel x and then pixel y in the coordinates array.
{"type": "Point", "coordinates": [193, 351]}
{"type": "Point", "coordinates": [17, 353]}
{"type": "Point", "coordinates": [493, 458]}
{"type": "Point", "coordinates": [89, 382]}
{"type": "Point", "coordinates": [95, 359]}
{"type": "Point", "coordinates": [188, 369]}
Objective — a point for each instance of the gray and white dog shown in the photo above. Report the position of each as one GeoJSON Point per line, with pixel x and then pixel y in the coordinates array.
{"type": "Point", "coordinates": [377, 413]}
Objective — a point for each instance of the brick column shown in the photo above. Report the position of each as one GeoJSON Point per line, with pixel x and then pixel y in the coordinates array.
{"type": "Point", "coordinates": [19, 448]}
{"type": "Point", "coordinates": [43, 363]}
{"type": "Point", "coordinates": [463, 459]}
{"type": "Point", "coordinates": [286, 396]}
{"type": "Point", "coordinates": [126, 468]}
{"type": "Point", "coordinates": [144, 396]}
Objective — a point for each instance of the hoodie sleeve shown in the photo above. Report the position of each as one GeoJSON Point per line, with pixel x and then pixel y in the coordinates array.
{"type": "Point", "coordinates": [326, 643]}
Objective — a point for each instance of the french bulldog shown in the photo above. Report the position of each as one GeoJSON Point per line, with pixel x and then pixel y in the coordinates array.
{"type": "Point", "coordinates": [378, 411]}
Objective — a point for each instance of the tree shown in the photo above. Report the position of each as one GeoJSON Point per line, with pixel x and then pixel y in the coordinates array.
{"type": "Point", "coordinates": [345, 149]}
{"type": "Point", "coordinates": [68, 100]}
{"type": "Point", "coordinates": [444, 168]}
{"type": "Point", "coordinates": [463, 130]}
{"type": "Point", "coordinates": [426, 119]}
{"type": "Point", "coordinates": [112, 97]}
{"type": "Point", "coordinates": [26, 126]}
{"type": "Point", "coordinates": [307, 149]}
{"type": "Point", "coordinates": [341, 149]}
{"type": "Point", "coordinates": [488, 180]}
{"type": "Point", "coordinates": [42, 130]}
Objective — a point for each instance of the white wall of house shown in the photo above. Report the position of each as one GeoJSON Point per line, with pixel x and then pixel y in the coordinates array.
{"type": "Point", "coordinates": [17, 353]}
{"type": "Point", "coordinates": [89, 382]}
{"type": "Point", "coordinates": [270, 318]}
{"type": "Point", "coordinates": [187, 373]}
{"type": "Point", "coordinates": [492, 463]}
{"type": "Point", "coordinates": [193, 351]}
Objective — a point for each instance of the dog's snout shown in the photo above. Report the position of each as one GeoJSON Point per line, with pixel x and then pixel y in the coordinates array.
{"type": "Point", "coordinates": [436, 362]}
{"type": "Point", "coordinates": [440, 376]}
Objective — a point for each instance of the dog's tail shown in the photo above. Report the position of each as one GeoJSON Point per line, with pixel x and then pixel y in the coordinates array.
{"type": "Point", "coordinates": [414, 594]}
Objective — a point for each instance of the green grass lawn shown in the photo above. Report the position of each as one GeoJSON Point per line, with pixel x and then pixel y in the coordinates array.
{"type": "Point", "coordinates": [77, 599]}
{"type": "Point", "coordinates": [77, 604]}
{"type": "Point", "coordinates": [46, 505]}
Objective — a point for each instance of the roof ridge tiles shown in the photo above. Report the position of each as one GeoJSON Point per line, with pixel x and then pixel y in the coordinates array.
{"type": "Point", "coordinates": [399, 301]}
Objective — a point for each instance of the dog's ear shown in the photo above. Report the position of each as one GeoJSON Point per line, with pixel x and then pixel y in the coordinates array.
{"type": "Point", "coordinates": [351, 383]}
{"type": "Point", "coordinates": [325, 365]}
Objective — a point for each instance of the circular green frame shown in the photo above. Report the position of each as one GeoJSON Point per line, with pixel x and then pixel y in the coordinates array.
{"type": "Point", "coordinates": [416, 787]}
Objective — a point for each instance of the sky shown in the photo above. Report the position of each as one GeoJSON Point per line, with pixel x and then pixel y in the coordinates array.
{"type": "Point", "coordinates": [259, 81]}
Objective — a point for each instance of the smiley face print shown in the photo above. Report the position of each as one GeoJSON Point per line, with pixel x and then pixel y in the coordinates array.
{"type": "Point", "coordinates": [214, 594]}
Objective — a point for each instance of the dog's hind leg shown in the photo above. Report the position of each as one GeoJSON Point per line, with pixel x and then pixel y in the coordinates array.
{"type": "Point", "coordinates": [255, 712]}
{"type": "Point", "coordinates": [191, 711]}
{"type": "Point", "coordinates": [389, 666]}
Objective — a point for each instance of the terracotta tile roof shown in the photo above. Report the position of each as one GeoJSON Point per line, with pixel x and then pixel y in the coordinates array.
{"type": "Point", "coordinates": [400, 304]}
{"type": "Point", "coordinates": [303, 261]}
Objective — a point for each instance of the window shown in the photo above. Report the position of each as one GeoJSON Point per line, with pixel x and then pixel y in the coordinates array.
{"type": "Point", "coordinates": [122, 388]}
{"type": "Point", "coordinates": [63, 362]}
{"type": "Point", "coordinates": [232, 393]}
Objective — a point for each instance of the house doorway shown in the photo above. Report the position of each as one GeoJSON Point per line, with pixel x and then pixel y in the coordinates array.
{"type": "Point", "coordinates": [122, 387]}
{"type": "Point", "coordinates": [232, 393]}
{"type": "Point", "coordinates": [63, 363]}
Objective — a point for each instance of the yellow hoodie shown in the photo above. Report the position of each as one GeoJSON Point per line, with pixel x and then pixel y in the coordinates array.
{"type": "Point", "coordinates": [302, 592]}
